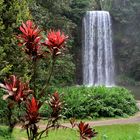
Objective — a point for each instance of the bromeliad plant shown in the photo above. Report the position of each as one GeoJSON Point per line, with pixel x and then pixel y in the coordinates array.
{"type": "Point", "coordinates": [19, 95]}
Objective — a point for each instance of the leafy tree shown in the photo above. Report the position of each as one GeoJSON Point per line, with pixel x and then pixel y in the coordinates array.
{"type": "Point", "coordinates": [11, 15]}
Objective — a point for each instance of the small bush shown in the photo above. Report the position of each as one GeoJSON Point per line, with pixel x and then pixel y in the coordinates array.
{"type": "Point", "coordinates": [91, 102]}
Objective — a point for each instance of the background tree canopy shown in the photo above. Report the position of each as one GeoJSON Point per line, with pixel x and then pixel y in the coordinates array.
{"type": "Point", "coordinates": [11, 16]}
{"type": "Point", "coordinates": [126, 31]}
{"type": "Point", "coordinates": [67, 15]}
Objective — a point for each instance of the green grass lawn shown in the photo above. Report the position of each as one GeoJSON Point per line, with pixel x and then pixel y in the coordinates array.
{"type": "Point", "coordinates": [113, 132]}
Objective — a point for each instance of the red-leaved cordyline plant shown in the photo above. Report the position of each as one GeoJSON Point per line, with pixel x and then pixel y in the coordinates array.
{"type": "Point", "coordinates": [20, 95]}
{"type": "Point", "coordinates": [32, 110]}
{"type": "Point", "coordinates": [86, 133]}
{"type": "Point", "coordinates": [32, 117]}
{"type": "Point", "coordinates": [17, 92]}
{"type": "Point", "coordinates": [55, 42]}
{"type": "Point", "coordinates": [56, 105]}
{"type": "Point", "coordinates": [30, 39]}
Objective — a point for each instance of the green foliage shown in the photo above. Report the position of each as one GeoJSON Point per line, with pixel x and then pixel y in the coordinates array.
{"type": "Point", "coordinates": [77, 10]}
{"type": "Point", "coordinates": [5, 70]}
{"type": "Point", "coordinates": [126, 81]}
{"type": "Point", "coordinates": [64, 71]}
{"type": "Point", "coordinates": [50, 15]}
{"type": "Point", "coordinates": [5, 135]}
{"type": "Point", "coordinates": [10, 18]}
{"type": "Point", "coordinates": [127, 49]}
{"type": "Point", "coordinates": [106, 4]}
{"type": "Point", "coordinates": [3, 109]}
{"type": "Point", "coordinates": [83, 102]}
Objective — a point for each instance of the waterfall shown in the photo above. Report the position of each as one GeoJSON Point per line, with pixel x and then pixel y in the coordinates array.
{"type": "Point", "coordinates": [98, 62]}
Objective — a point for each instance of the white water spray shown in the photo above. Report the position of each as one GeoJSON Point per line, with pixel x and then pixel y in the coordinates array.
{"type": "Point", "coordinates": [98, 62]}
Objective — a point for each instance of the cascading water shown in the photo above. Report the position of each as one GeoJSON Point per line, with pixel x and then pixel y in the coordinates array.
{"type": "Point", "coordinates": [98, 62]}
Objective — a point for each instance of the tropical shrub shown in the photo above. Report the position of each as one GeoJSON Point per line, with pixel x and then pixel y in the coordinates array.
{"type": "Point", "coordinates": [94, 102]}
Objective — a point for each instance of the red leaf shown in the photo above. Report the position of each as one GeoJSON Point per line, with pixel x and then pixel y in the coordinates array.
{"type": "Point", "coordinates": [55, 41]}
{"type": "Point", "coordinates": [30, 37]}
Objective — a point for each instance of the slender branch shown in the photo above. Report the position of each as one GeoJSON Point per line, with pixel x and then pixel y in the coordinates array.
{"type": "Point", "coordinates": [28, 133]}
{"type": "Point", "coordinates": [49, 77]}
{"type": "Point", "coordinates": [42, 132]}
{"type": "Point", "coordinates": [51, 71]}
{"type": "Point", "coordinates": [11, 123]}
{"type": "Point", "coordinates": [34, 76]}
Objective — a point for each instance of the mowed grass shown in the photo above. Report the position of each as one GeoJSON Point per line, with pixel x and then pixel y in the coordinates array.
{"type": "Point", "coordinates": [113, 132]}
{"type": "Point", "coordinates": [119, 132]}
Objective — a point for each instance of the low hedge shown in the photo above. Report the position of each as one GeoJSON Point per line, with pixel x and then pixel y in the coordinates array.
{"type": "Point", "coordinates": [89, 102]}
{"type": "Point", "coordinates": [93, 102]}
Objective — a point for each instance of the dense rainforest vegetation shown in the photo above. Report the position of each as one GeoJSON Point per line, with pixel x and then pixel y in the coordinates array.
{"type": "Point", "coordinates": [40, 79]}
{"type": "Point", "coordinates": [67, 15]}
